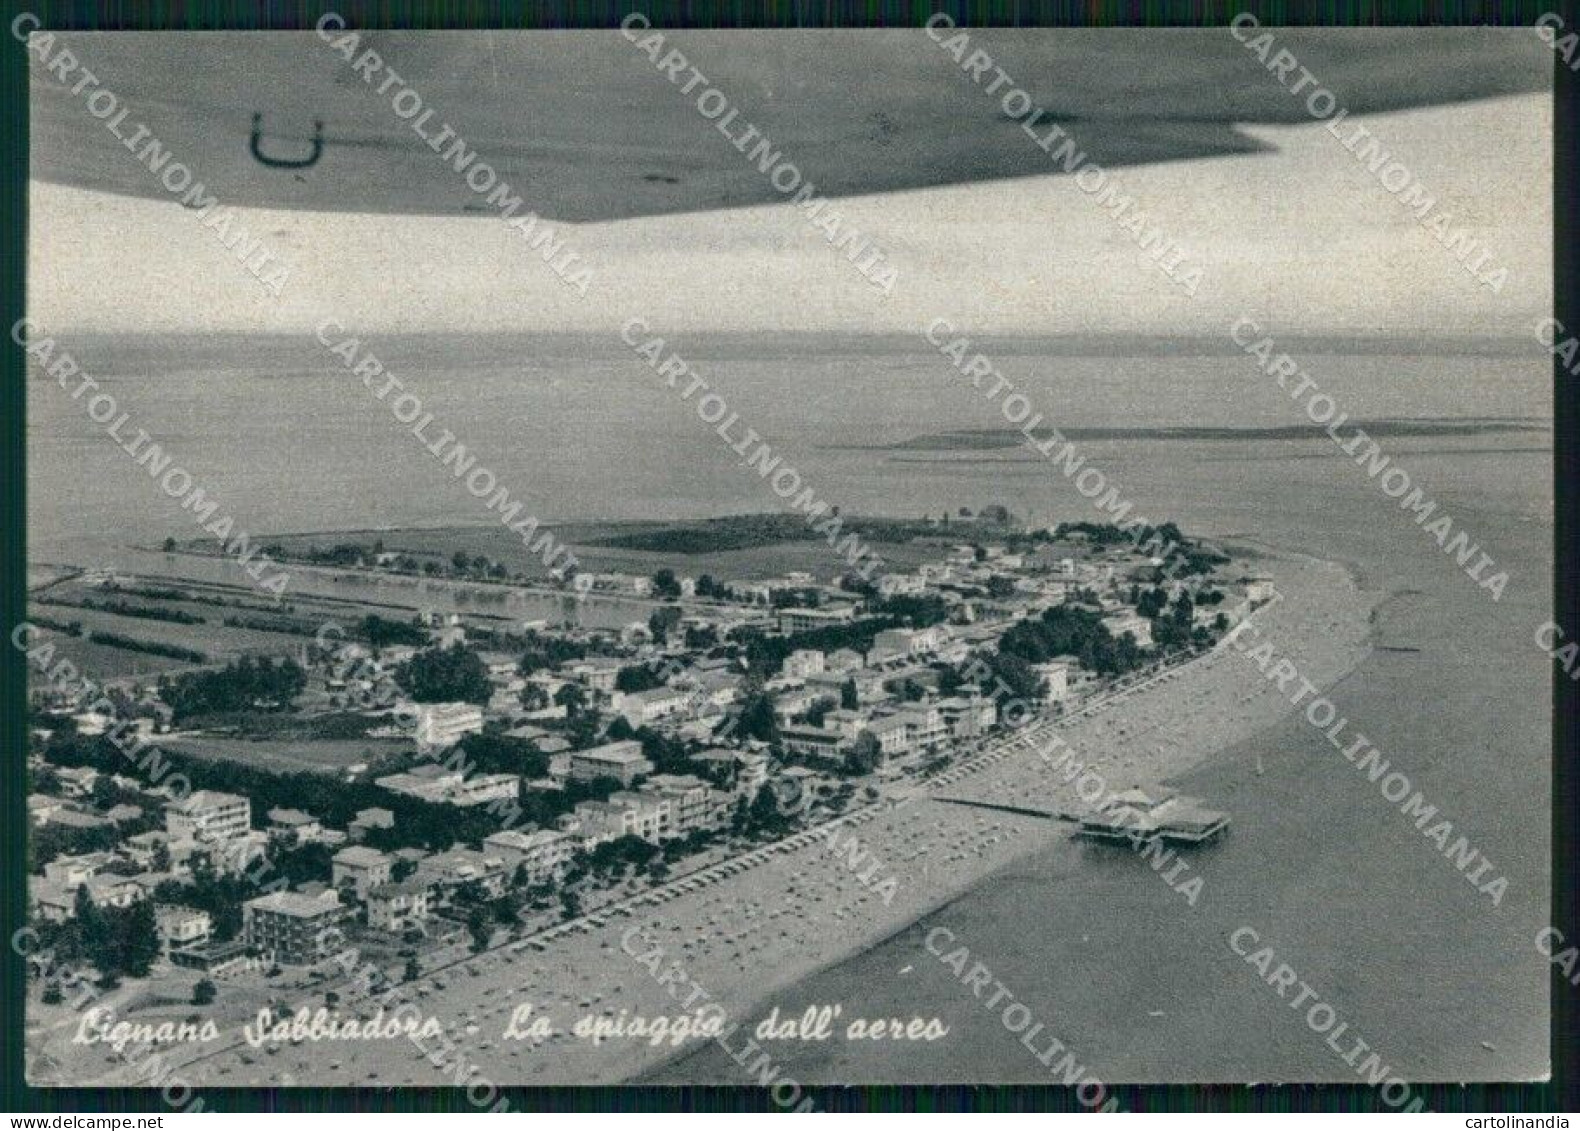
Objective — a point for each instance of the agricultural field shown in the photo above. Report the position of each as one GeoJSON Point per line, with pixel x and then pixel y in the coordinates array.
{"type": "Point", "coordinates": [215, 640]}
{"type": "Point", "coordinates": [102, 662]}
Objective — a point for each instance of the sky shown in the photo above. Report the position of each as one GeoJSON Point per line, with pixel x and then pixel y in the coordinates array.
{"type": "Point", "coordinates": [1300, 237]}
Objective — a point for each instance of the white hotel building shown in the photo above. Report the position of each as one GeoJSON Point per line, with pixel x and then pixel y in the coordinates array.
{"type": "Point", "coordinates": [206, 816]}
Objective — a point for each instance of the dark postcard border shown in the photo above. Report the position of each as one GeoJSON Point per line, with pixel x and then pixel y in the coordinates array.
{"type": "Point", "coordinates": [1562, 1093]}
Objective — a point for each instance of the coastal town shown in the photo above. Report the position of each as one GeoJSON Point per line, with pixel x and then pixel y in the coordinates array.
{"type": "Point", "coordinates": [441, 784]}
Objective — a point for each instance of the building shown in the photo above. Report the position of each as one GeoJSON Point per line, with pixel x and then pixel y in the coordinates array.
{"type": "Point", "coordinates": [1143, 814]}
{"type": "Point", "coordinates": [903, 643]}
{"type": "Point", "coordinates": [362, 868]}
{"type": "Point", "coordinates": [1056, 675]}
{"type": "Point", "coordinates": [205, 815]}
{"type": "Point", "coordinates": [624, 814]}
{"type": "Point", "coordinates": [291, 928]}
{"type": "Point", "coordinates": [1137, 625]}
{"type": "Point", "coordinates": [750, 592]}
{"type": "Point", "coordinates": [806, 620]}
{"type": "Point", "coordinates": [40, 807]}
{"type": "Point", "coordinates": [55, 903]}
{"type": "Point", "coordinates": [596, 674]}
{"type": "Point", "coordinates": [397, 907]}
{"type": "Point", "coordinates": [180, 927]}
{"type": "Point", "coordinates": [367, 820]}
{"type": "Point", "coordinates": [544, 853]}
{"type": "Point", "coordinates": [443, 872]}
{"type": "Point", "coordinates": [925, 728]}
{"type": "Point", "coordinates": [233, 856]}
{"type": "Point", "coordinates": [693, 804]}
{"type": "Point", "coordinates": [715, 689]}
{"type": "Point", "coordinates": [643, 707]}
{"type": "Point", "coordinates": [446, 786]}
{"type": "Point", "coordinates": [898, 584]}
{"type": "Point", "coordinates": [623, 761]}
{"type": "Point", "coordinates": [72, 872]}
{"type": "Point", "coordinates": [892, 734]}
{"type": "Point", "coordinates": [804, 662]}
{"type": "Point", "coordinates": [51, 902]}
{"type": "Point", "coordinates": [1258, 589]}
{"type": "Point", "coordinates": [631, 583]}
{"type": "Point", "coordinates": [843, 660]}
{"type": "Point", "coordinates": [968, 718]}
{"type": "Point", "coordinates": [76, 781]}
{"type": "Point", "coordinates": [219, 960]}
{"type": "Point", "coordinates": [847, 724]}
{"type": "Point", "coordinates": [720, 765]}
{"type": "Point", "coordinates": [292, 826]}
{"type": "Point", "coordinates": [753, 774]}
{"type": "Point", "coordinates": [144, 848]}
{"type": "Point", "coordinates": [440, 725]}
{"type": "Point", "coordinates": [796, 701]}
{"type": "Point", "coordinates": [812, 742]}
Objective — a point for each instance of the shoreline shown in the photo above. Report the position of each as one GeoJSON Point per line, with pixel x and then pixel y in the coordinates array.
{"type": "Point", "coordinates": [803, 910]}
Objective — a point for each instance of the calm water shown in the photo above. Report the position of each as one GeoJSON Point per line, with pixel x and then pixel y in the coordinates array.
{"type": "Point", "coordinates": [1419, 963]}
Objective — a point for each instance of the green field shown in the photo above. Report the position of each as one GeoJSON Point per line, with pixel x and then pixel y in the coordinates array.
{"type": "Point", "coordinates": [289, 755]}
{"type": "Point", "coordinates": [746, 547]}
{"type": "Point", "coordinates": [101, 662]}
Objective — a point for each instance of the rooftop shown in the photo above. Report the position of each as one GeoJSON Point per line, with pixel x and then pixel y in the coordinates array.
{"type": "Point", "coordinates": [358, 856]}
{"type": "Point", "coordinates": [295, 903]}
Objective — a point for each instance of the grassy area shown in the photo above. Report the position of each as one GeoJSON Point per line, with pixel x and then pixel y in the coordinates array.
{"type": "Point", "coordinates": [101, 662]}
{"type": "Point", "coordinates": [747, 546]}
{"type": "Point", "coordinates": [289, 755]}
{"type": "Point", "coordinates": [213, 638]}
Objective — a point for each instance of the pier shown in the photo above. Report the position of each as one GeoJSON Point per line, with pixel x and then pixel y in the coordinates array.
{"type": "Point", "coordinates": [1138, 814]}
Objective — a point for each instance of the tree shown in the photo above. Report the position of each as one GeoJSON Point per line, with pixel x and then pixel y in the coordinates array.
{"type": "Point", "coordinates": [818, 712]}
{"type": "Point", "coordinates": [866, 756]}
{"type": "Point", "coordinates": [413, 970]}
{"type": "Point", "coordinates": [757, 717]}
{"type": "Point", "coordinates": [764, 816]}
{"type": "Point", "coordinates": [480, 928]}
{"type": "Point", "coordinates": [849, 697]}
{"type": "Point", "coordinates": [445, 675]}
{"type": "Point", "coordinates": [1008, 670]}
{"type": "Point", "coordinates": [662, 621]}
{"type": "Point", "coordinates": [247, 684]}
{"type": "Point", "coordinates": [104, 793]}
{"type": "Point", "coordinates": [381, 633]}
{"type": "Point", "coordinates": [572, 697]}
{"type": "Point", "coordinates": [1150, 603]}
{"type": "Point", "coordinates": [170, 545]}
{"type": "Point", "coordinates": [139, 933]}
{"type": "Point", "coordinates": [548, 652]}
{"type": "Point", "coordinates": [665, 584]}
{"type": "Point", "coordinates": [637, 677]}
{"type": "Point", "coordinates": [533, 697]}
{"type": "Point", "coordinates": [204, 992]}
{"type": "Point", "coordinates": [88, 925]}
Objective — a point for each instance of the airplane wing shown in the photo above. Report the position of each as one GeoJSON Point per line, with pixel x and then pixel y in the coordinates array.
{"type": "Point", "coordinates": [585, 128]}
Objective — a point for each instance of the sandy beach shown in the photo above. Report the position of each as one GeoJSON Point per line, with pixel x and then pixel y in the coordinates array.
{"type": "Point", "coordinates": [747, 929]}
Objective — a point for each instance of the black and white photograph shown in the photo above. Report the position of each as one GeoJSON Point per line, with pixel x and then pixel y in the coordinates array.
{"type": "Point", "coordinates": [790, 559]}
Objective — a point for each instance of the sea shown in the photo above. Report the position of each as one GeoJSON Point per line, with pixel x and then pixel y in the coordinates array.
{"type": "Point", "coordinates": [1417, 962]}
